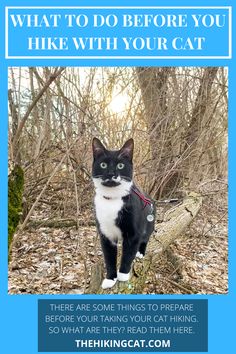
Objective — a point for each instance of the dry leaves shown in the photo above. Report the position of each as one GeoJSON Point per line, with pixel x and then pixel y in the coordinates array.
{"type": "Point", "coordinates": [53, 261]}
{"type": "Point", "coordinates": [59, 261]}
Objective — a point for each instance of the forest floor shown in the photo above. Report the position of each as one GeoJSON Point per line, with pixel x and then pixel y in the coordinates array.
{"type": "Point", "coordinates": [47, 260]}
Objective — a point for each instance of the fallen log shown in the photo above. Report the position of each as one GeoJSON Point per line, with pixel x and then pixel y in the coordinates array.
{"type": "Point", "coordinates": [175, 222]}
{"type": "Point", "coordinates": [58, 223]}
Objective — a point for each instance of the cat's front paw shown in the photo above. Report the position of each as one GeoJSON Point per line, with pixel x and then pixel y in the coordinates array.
{"type": "Point", "coordinates": [123, 276]}
{"type": "Point", "coordinates": [139, 255]}
{"type": "Point", "coordinates": [108, 283]}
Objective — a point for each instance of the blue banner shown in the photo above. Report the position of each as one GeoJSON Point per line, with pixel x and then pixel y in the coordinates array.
{"type": "Point", "coordinates": [118, 32]}
{"type": "Point", "coordinates": [122, 325]}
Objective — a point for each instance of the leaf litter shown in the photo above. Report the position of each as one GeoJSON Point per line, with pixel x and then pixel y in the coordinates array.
{"type": "Point", "coordinates": [59, 260]}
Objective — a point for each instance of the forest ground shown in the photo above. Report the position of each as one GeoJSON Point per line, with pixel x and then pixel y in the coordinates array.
{"type": "Point", "coordinates": [47, 260]}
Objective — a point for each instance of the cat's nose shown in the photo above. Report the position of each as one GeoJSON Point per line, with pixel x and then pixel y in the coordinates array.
{"type": "Point", "coordinates": [110, 175]}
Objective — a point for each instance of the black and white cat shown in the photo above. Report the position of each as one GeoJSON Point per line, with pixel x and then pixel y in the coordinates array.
{"type": "Point", "coordinates": [122, 211]}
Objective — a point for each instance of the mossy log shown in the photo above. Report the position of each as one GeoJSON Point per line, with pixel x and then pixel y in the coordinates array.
{"type": "Point", "coordinates": [174, 223]}
{"type": "Point", "coordinates": [15, 195]}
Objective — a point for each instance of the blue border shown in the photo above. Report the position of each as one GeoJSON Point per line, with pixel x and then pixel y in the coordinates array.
{"type": "Point", "coordinates": [18, 321]}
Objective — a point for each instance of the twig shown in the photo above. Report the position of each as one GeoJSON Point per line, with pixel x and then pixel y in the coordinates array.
{"type": "Point", "coordinates": [45, 187]}
{"type": "Point", "coordinates": [32, 105]}
{"type": "Point", "coordinates": [188, 291]}
{"type": "Point", "coordinates": [212, 227]}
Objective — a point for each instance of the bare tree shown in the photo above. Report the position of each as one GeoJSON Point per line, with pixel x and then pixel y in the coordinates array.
{"type": "Point", "coordinates": [176, 115]}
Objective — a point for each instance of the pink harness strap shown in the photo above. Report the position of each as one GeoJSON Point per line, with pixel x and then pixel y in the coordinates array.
{"type": "Point", "coordinates": [146, 200]}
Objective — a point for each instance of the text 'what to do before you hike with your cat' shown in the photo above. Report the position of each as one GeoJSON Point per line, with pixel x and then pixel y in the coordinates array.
{"type": "Point", "coordinates": [111, 22]}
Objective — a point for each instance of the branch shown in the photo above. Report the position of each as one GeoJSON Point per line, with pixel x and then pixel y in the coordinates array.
{"type": "Point", "coordinates": [32, 105]}
{"type": "Point", "coordinates": [59, 223]}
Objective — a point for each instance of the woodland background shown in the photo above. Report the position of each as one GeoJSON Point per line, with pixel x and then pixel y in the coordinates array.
{"type": "Point", "coordinates": [178, 118]}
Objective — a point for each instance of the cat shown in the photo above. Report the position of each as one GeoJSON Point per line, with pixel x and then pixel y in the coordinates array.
{"type": "Point", "coordinates": [123, 213]}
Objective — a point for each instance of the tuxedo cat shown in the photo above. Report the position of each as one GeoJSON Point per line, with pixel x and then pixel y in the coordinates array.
{"type": "Point", "coordinates": [123, 213]}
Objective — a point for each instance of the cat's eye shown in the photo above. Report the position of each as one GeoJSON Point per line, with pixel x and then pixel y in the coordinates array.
{"type": "Point", "coordinates": [120, 165]}
{"type": "Point", "coordinates": [103, 165]}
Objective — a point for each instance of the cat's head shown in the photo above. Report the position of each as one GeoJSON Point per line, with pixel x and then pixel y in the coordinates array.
{"type": "Point", "coordinates": [112, 168]}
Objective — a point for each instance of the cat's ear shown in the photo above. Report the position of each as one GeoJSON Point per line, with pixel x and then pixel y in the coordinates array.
{"type": "Point", "coordinates": [98, 148]}
{"type": "Point", "coordinates": [127, 149]}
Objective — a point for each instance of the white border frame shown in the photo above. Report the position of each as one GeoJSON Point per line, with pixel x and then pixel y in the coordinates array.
{"type": "Point", "coordinates": [229, 56]}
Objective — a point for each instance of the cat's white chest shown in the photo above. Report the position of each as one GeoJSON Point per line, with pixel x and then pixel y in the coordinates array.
{"type": "Point", "coordinates": [107, 213]}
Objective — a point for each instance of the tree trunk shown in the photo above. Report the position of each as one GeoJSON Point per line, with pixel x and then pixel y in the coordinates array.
{"type": "Point", "coordinates": [175, 221]}
{"type": "Point", "coordinates": [201, 116]}
{"type": "Point", "coordinates": [154, 88]}
{"type": "Point", "coordinates": [202, 102]}
{"type": "Point", "coordinates": [15, 200]}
